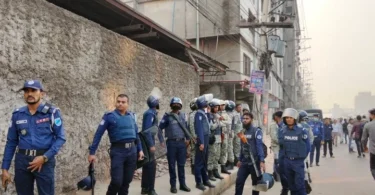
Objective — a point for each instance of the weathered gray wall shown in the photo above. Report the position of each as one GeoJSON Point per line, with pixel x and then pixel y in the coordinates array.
{"type": "Point", "coordinates": [83, 67]}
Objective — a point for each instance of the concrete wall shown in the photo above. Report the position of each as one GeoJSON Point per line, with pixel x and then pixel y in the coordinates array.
{"type": "Point", "coordinates": [83, 67]}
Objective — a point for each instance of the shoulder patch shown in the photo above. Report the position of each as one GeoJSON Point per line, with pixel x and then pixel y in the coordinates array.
{"type": "Point", "coordinates": [102, 122]}
{"type": "Point", "coordinates": [259, 137]}
{"type": "Point", "coordinates": [304, 136]}
{"type": "Point", "coordinates": [299, 125]}
{"type": "Point", "coordinates": [58, 122]}
{"type": "Point", "coordinates": [17, 110]}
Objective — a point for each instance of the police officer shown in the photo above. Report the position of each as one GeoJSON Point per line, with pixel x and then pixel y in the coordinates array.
{"type": "Point", "coordinates": [150, 120]}
{"type": "Point", "coordinates": [303, 118]}
{"type": "Point", "coordinates": [202, 130]}
{"type": "Point", "coordinates": [125, 144]}
{"type": "Point", "coordinates": [254, 137]}
{"type": "Point", "coordinates": [294, 140]}
{"type": "Point", "coordinates": [279, 152]}
{"type": "Point", "coordinates": [214, 147]}
{"type": "Point", "coordinates": [229, 109]}
{"type": "Point", "coordinates": [328, 138]}
{"type": "Point", "coordinates": [237, 120]}
{"type": "Point", "coordinates": [194, 108]}
{"type": "Point", "coordinates": [174, 123]}
{"type": "Point", "coordinates": [225, 122]}
{"type": "Point", "coordinates": [37, 130]}
{"type": "Point", "coordinates": [318, 131]}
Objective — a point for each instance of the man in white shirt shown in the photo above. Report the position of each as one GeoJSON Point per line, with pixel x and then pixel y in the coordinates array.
{"type": "Point", "coordinates": [336, 131]}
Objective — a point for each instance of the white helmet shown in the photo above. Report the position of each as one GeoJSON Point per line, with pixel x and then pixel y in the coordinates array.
{"type": "Point", "coordinates": [290, 112]}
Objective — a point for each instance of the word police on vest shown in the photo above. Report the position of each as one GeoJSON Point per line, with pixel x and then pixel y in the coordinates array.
{"type": "Point", "coordinates": [293, 138]}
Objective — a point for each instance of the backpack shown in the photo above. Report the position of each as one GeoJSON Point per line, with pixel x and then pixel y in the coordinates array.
{"type": "Point", "coordinates": [265, 151]}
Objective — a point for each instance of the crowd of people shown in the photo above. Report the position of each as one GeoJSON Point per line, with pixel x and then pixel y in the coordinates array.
{"type": "Point", "coordinates": [357, 133]}
{"type": "Point", "coordinates": [220, 133]}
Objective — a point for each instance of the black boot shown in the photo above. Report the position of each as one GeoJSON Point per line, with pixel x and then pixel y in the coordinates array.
{"type": "Point", "coordinates": [174, 190]}
{"type": "Point", "coordinates": [144, 191]}
{"type": "Point", "coordinates": [224, 170]}
{"type": "Point", "coordinates": [216, 174]}
{"type": "Point", "coordinates": [230, 166]}
{"type": "Point", "coordinates": [152, 192]}
{"type": "Point", "coordinates": [192, 169]}
{"type": "Point", "coordinates": [184, 188]}
{"type": "Point", "coordinates": [200, 186]}
{"type": "Point", "coordinates": [208, 184]}
{"type": "Point", "coordinates": [284, 192]}
{"type": "Point", "coordinates": [308, 187]}
{"type": "Point", "coordinates": [211, 175]}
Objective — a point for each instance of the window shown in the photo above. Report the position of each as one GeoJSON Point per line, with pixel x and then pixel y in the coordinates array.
{"type": "Point", "coordinates": [246, 65]}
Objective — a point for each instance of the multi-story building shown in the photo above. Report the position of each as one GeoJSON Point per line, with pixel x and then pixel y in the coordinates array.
{"type": "Point", "coordinates": [363, 102]}
{"type": "Point", "coordinates": [211, 26]}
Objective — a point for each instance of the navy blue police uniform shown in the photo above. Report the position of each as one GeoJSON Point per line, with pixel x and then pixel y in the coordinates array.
{"type": "Point", "coordinates": [328, 139]}
{"type": "Point", "coordinates": [202, 130]}
{"type": "Point", "coordinates": [32, 135]}
{"type": "Point", "coordinates": [296, 146]}
{"type": "Point", "coordinates": [176, 147]}
{"type": "Point", "coordinates": [254, 138]}
{"type": "Point", "coordinates": [280, 166]}
{"type": "Point", "coordinates": [149, 170]}
{"type": "Point", "coordinates": [317, 128]}
{"type": "Point", "coordinates": [125, 145]}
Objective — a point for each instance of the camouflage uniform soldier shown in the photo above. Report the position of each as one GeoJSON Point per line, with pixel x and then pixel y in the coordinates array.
{"type": "Point", "coordinates": [237, 128]}
{"type": "Point", "coordinates": [229, 108]}
{"type": "Point", "coordinates": [214, 141]}
{"type": "Point", "coordinates": [193, 108]}
{"type": "Point", "coordinates": [225, 122]}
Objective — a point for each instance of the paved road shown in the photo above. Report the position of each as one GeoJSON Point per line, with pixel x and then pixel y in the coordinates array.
{"type": "Point", "coordinates": [344, 175]}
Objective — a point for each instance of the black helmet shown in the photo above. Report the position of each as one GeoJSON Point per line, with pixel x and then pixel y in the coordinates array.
{"type": "Point", "coordinates": [303, 115]}
{"type": "Point", "coordinates": [88, 182]}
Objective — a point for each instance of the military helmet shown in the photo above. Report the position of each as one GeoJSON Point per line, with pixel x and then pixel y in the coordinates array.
{"type": "Point", "coordinates": [303, 115]}
{"type": "Point", "coordinates": [290, 112]}
{"type": "Point", "coordinates": [223, 102]}
{"type": "Point", "coordinates": [88, 182]}
{"type": "Point", "coordinates": [202, 101]}
{"type": "Point", "coordinates": [152, 101]}
{"type": "Point", "coordinates": [176, 100]}
{"type": "Point", "coordinates": [265, 183]}
{"type": "Point", "coordinates": [193, 104]}
{"type": "Point", "coordinates": [214, 102]}
{"type": "Point", "coordinates": [230, 106]}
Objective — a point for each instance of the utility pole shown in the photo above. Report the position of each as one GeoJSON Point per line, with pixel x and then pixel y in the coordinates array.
{"type": "Point", "coordinates": [197, 27]}
{"type": "Point", "coordinates": [264, 47]}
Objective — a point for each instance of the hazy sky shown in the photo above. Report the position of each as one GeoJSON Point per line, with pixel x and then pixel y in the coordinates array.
{"type": "Point", "coordinates": [343, 49]}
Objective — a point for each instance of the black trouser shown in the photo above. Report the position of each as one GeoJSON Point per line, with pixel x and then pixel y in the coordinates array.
{"type": "Point", "coordinates": [329, 143]}
{"type": "Point", "coordinates": [346, 137]}
{"type": "Point", "coordinates": [372, 164]}
{"type": "Point", "coordinates": [149, 173]}
{"type": "Point", "coordinates": [243, 172]}
{"type": "Point", "coordinates": [359, 146]}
